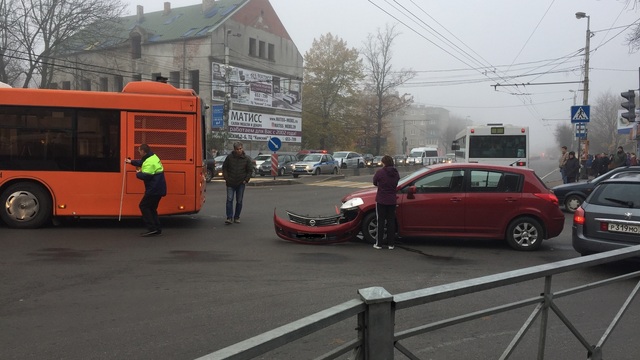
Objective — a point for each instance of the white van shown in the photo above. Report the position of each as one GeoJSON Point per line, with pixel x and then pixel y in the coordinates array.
{"type": "Point", "coordinates": [422, 155]}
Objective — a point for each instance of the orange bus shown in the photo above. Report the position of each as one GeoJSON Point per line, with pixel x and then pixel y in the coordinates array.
{"type": "Point", "coordinates": [62, 152]}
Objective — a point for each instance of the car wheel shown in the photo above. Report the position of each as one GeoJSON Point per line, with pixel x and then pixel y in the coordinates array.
{"type": "Point", "coordinates": [261, 174]}
{"type": "Point", "coordinates": [343, 166]}
{"type": "Point", "coordinates": [573, 202]}
{"type": "Point", "coordinates": [209, 175]}
{"type": "Point", "coordinates": [525, 234]}
{"type": "Point", "coordinates": [335, 170]}
{"type": "Point", "coordinates": [295, 176]}
{"type": "Point", "coordinates": [26, 206]}
{"type": "Point", "coordinates": [280, 172]}
{"type": "Point", "coordinates": [370, 228]}
{"type": "Point", "coordinates": [316, 171]}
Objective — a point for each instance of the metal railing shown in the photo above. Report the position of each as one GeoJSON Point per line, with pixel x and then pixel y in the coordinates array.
{"type": "Point", "coordinates": [376, 310]}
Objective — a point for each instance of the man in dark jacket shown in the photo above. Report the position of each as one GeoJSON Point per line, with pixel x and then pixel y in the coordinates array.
{"type": "Point", "coordinates": [151, 171]}
{"type": "Point", "coordinates": [386, 179]}
{"type": "Point", "coordinates": [236, 170]}
{"type": "Point", "coordinates": [572, 168]}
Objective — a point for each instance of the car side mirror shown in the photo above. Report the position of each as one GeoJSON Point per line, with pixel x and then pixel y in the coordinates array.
{"type": "Point", "coordinates": [411, 192]}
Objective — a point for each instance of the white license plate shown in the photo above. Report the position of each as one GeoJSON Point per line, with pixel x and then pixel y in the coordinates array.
{"type": "Point", "coordinates": [624, 228]}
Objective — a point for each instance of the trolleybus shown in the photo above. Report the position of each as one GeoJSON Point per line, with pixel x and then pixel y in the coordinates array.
{"type": "Point", "coordinates": [493, 144]}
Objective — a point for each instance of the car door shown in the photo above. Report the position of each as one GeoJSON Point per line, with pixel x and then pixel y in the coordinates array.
{"type": "Point", "coordinates": [437, 206]}
{"type": "Point", "coordinates": [324, 165]}
{"type": "Point", "coordinates": [493, 199]}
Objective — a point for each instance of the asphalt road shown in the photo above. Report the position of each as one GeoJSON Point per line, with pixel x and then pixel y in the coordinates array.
{"type": "Point", "coordinates": [94, 289]}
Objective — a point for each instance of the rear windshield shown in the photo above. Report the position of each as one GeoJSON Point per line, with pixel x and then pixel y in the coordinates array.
{"type": "Point", "coordinates": [623, 195]}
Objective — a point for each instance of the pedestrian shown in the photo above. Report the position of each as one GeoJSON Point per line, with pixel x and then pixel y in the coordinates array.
{"type": "Point", "coordinates": [619, 158]}
{"type": "Point", "coordinates": [150, 170]}
{"type": "Point", "coordinates": [236, 170]}
{"type": "Point", "coordinates": [604, 164]}
{"type": "Point", "coordinates": [572, 168]}
{"type": "Point", "coordinates": [561, 162]}
{"type": "Point", "coordinates": [386, 179]}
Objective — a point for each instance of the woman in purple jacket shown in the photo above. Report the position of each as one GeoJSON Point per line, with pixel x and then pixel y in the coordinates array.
{"type": "Point", "coordinates": [386, 179]}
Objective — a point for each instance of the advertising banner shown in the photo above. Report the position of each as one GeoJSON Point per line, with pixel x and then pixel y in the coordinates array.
{"type": "Point", "coordinates": [244, 125]}
{"type": "Point", "coordinates": [254, 88]}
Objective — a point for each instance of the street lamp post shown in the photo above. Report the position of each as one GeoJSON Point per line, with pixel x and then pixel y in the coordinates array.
{"type": "Point", "coordinates": [581, 15]}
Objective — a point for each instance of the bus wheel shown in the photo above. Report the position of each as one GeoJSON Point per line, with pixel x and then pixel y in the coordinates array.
{"type": "Point", "coordinates": [26, 205]}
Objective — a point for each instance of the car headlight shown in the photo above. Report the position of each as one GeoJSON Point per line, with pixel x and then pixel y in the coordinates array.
{"type": "Point", "coordinates": [351, 204]}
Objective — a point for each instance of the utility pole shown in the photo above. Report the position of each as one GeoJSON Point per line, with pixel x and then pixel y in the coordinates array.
{"type": "Point", "coordinates": [580, 15]}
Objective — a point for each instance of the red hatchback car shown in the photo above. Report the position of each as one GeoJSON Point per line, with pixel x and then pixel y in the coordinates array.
{"type": "Point", "coordinates": [463, 200]}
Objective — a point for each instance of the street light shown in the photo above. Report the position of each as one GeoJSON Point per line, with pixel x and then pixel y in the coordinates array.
{"type": "Point", "coordinates": [581, 15]}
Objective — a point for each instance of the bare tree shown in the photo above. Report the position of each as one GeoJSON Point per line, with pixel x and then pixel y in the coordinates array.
{"type": "Point", "coordinates": [603, 126]}
{"type": "Point", "coordinates": [35, 31]}
{"type": "Point", "coordinates": [382, 79]}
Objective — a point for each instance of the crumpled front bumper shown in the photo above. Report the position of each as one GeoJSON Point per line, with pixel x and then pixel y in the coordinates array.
{"type": "Point", "coordinates": [331, 229]}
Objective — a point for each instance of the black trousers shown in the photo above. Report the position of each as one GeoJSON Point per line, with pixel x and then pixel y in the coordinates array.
{"type": "Point", "coordinates": [149, 209]}
{"type": "Point", "coordinates": [386, 217]}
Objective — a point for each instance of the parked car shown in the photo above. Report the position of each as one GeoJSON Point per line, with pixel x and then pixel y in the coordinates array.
{"type": "Point", "coordinates": [572, 195]}
{"type": "Point", "coordinates": [210, 169]}
{"type": "Point", "coordinates": [349, 159]}
{"type": "Point", "coordinates": [465, 200]}
{"type": "Point", "coordinates": [258, 160]}
{"type": "Point", "coordinates": [368, 160]}
{"type": "Point", "coordinates": [219, 160]}
{"type": "Point", "coordinates": [609, 218]}
{"type": "Point", "coordinates": [377, 161]}
{"type": "Point", "coordinates": [315, 164]}
{"type": "Point", "coordinates": [400, 160]}
{"type": "Point", "coordinates": [285, 165]}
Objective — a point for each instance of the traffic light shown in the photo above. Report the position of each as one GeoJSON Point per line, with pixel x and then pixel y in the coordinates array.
{"type": "Point", "coordinates": [629, 105]}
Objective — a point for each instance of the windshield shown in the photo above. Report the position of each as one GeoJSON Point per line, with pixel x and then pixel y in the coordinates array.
{"type": "Point", "coordinates": [314, 158]}
{"type": "Point", "coordinates": [340, 154]}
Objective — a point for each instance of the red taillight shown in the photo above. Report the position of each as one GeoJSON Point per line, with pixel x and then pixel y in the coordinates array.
{"type": "Point", "coordinates": [604, 226]}
{"type": "Point", "coordinates": [578, 217]}
{"type": "Point", "coordinates": [549, 197]}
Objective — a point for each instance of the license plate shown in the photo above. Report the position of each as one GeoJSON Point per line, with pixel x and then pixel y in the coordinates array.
{"type": "Point", "coordinates": [624, 228]}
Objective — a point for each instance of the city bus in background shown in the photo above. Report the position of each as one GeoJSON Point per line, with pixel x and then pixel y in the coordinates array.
{"type": "Point", "coordinates": [493, 144]}
{"type": "Point", "coordinates": [62, 152]}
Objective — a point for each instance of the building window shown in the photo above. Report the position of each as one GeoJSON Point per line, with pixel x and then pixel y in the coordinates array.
{"type": "Point", "coordinates": [136, 77]}
{"type": "Point", "coordinates": [194, 80]}
{"type": "Point", "coordinates": [261, 50]}
{"type": "Point", "coordinates": [118, 83]}
{"type": "Point", "coordinates": [136, 46]}
{"type": "Point", "coordinates": [174, 78]}
{"type": "Point", "coordinates": [66, 85]}
{"type": "Point", "coordinates": [104, 84]}
{"type": "Point", "coordinates": [272, 52]}
{"type": "Point", "coordinates": [252, 47]}
{"type": "Point", "coordinates": [86, 84]}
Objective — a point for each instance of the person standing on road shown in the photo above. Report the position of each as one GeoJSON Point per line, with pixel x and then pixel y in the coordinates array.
{"type": "Point", "coordinates": [572, 168]}
{"type": "Point", "coordinates": [151, 171]}
{"type": "Point", "coordinates": [236, 170]}
{"type": "Point", "coordinates": [619, 158]}
{"type": "Point", "coordinates": [561, 162]}
{"type": "Point", "coordinates": [386, 179]}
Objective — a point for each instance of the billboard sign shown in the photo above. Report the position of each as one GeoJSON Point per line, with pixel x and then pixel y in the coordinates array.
{"type": "Point", "coordinates": [253, 88]}
{"type": "Point", "coordinates": [244, 125]}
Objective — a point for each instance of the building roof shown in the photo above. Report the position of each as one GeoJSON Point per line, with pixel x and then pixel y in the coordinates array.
{"type": "Point", "coordinates": [169, 24]}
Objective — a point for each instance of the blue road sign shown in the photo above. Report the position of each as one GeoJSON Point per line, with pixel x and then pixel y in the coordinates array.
{"type": "Point", "coordinates": [580, 114]}
{"type": "Point", "coordinates": [274, 144]}
{"type": "Point", "coordinates": [218, 116]}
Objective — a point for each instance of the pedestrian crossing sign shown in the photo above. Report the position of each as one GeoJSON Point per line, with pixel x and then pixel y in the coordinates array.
{"type": "Point", "coordinates": [580, 114]}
